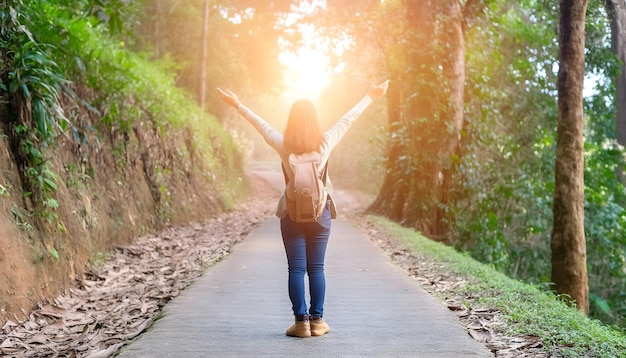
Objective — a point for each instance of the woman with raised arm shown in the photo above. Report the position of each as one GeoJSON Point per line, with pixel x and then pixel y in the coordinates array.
{"type": "Point", "coordinates": [305, 242]}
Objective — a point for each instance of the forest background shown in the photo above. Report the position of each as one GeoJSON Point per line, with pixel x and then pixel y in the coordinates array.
{"type": "Point", "coordinates": [471, 166]}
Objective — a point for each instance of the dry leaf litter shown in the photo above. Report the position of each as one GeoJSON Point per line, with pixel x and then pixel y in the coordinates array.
{"type": "Point", "coordinates": [118, 300]}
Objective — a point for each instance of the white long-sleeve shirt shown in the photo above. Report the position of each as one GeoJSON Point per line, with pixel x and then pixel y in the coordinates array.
{"type": "Point", "coordinates": [331, 138]}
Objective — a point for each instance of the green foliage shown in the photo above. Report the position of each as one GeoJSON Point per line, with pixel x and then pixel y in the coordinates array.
{"type": "Point", "coordinates": [38, 172]}
{"type": "Point", "coordinates": [36, 77]}
{"type": "Point", "coordinates": [41, 179]}
{"type": "Point", "coordinates": [502, 208]}
{"type": "Point", "coordinates": [35, 82]}
{"type": "Point", "coordinates": [605, 195]}
{"type": "Point", "coordinates": [88, 40]}
{"type": "Point", "coordinates": [120, 16]}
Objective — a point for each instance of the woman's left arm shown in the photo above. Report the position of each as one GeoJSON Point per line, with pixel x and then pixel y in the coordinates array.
{"type": "Point", "coordinates": [340, 128]}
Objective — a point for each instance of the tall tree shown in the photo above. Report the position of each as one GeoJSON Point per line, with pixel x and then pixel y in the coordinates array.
{"type": "Point", "coordinates": [616, 11]}
{"type": "Point", "coordinates": [425, 114]}
{"type": "Point", "coordinates": [569, 250]}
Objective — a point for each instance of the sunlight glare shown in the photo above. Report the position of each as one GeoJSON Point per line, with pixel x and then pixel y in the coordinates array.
{"type": "Point", "coordinates": [307, 73]}
{"type": "Point", "coordinates": [308, 67]}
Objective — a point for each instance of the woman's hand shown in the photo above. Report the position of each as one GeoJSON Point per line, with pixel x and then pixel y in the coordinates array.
{"type": "Point", "coordinates": [229, 97]}
{"type": "Point", "coordinates": [377, 91]}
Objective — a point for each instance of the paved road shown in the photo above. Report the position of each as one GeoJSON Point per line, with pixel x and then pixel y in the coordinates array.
{"type": "Point", "coordinates": [240, 308]}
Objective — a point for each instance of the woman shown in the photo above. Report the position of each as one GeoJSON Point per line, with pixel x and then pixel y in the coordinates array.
{"type": "Point", "coordinates": [305, 243]}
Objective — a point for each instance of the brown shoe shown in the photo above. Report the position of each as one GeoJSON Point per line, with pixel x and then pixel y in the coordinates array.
{"type": "Point", "coordinates": [300, 329]}
{"type": "Point", "coordinates": [318, 326]}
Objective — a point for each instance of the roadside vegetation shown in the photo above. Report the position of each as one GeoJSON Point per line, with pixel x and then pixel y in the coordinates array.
{"type": "Point", "coordinates": [101, 144]}
{"type": "Point", "coordinates": [66, 62]}
{"type": "Point", "coordinates": [525, 309]}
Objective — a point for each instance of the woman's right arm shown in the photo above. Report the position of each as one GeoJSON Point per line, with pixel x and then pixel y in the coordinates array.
{"type": "Point", "coordinates": [273, 137]}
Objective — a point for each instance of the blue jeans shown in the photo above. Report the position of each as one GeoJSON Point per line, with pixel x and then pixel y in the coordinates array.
{"type": "Point", "coordinates": [305, 246]}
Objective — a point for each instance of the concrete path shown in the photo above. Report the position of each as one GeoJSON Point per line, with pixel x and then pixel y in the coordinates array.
{"type": "Point", "coordinates": [240, 308]}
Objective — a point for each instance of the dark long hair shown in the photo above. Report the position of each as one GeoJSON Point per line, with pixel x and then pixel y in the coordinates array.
{"type": "Point", "coordinates": [303, 132]}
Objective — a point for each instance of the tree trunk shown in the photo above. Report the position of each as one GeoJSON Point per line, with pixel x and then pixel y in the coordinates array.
{"type": "Point", "coordinates": [203, 58]}
{"type": "Point", "coordinates": [425, 131]}
{"type": "Point", "coordinates": [616, 11]}
{"type": "Point", "coordinates": [569, 256]}
{"type": "Point", "coordinates": [454, 71]}
{"type": "Point", "coordinates": [388, 202]}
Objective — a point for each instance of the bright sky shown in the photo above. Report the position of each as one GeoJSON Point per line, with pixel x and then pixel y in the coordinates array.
{"type": "Point", "coordinates": [308, 69]}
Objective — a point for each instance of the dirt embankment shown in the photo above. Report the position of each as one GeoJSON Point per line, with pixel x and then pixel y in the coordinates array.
{"type": "Point", "coordinates": [124, 291]}
{"type": "Point", "coordinates": [113, 185]}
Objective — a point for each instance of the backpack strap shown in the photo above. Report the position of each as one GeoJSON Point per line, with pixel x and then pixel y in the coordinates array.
{"type": "Point", "coordinates": [284, 173]}
{"type": "Point", "coordinates": [324, 173]}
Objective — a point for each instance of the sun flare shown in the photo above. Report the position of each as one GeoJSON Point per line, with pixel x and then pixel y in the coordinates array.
{"type": "Point", "coordinates": [307, 72]}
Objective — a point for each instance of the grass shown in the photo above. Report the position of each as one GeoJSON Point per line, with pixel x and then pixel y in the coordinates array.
{"type": "Point", "coordinates": [527, 309]}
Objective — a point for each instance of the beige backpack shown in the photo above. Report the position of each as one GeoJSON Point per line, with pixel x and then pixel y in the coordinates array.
{"type": "Point", "coordinates": [306, 193]}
